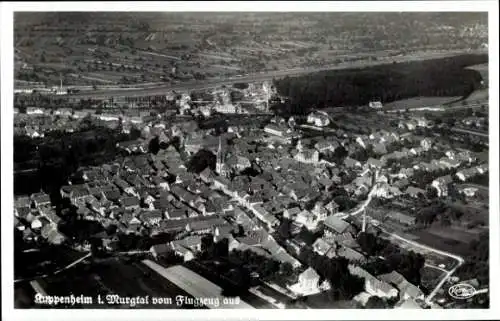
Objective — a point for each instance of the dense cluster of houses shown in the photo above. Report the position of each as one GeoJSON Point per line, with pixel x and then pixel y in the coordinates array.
{"type": "Point", "coordinates": [36, 121]}
{"type": "Point", "coordinates": [36, 219]}
{"type": "Point", "coordinates": [143, 192]}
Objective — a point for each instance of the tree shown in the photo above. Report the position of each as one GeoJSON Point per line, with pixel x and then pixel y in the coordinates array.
{"type": "Point", "coordinates": [284, 229]}
{"type": "Point", "coordinates": [154, 145]}
{"type": "Point", "coordinates": [201, 160]}
{"type": "Point", "coordinates": [135, 133]}
{"type": "Point", "coordinates": [376, 302]}
{"type": "Point", "coordinates": [286, 269]}
{"type": "Point", "coordinates": [207, 244]}
{"type": "Point", "coordinates": [221, 248]}
{"type": "Point", "coordinates": [431, 193]}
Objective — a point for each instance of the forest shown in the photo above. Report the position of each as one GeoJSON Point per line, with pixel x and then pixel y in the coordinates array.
{"type": "Point", "coordinates": [385, 83]}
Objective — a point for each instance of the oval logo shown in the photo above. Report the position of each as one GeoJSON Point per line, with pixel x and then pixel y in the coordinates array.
{"type": "Point", "coordinates": [462, 291]}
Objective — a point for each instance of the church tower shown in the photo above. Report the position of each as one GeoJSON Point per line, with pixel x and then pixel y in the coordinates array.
{"type": "Point", "coordinates": [220, 159]}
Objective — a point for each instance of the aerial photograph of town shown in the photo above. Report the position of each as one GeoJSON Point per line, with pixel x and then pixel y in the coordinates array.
{"type": "Point", "coordinates": [251, 160]}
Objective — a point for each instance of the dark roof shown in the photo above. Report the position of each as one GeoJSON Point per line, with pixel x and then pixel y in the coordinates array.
{"type": "Point", "coordinates": [41, 198]}
{"type": "Point", "coordinates": [336, 224]}
{"type": "Point", "coordinates": [23, 211]}
{"type": "Point", "coordinates": [129, 201]}
{"type": "Point", "coordinates": [112, 195]}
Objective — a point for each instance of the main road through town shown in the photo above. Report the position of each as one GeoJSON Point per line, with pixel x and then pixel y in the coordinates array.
{"type": "Point", "coordinates": [262, 76]}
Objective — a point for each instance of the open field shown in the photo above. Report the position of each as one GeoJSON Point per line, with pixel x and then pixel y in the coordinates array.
{"type": "Point", "coordinates": [454, 234]}
{"type": "Point", "coordinates": [479, 96]}
{"type": "Point", "coordinates": [420, 102]}
{"type": "Point", "coordinates": [223, 45]}
{"type": "Point", "coordinates": [44, 260]}
{"type": "Point", "coordinates": [430, 257]}
{"type": "Point", "coordinates": [441, 242]}
{"type": "Point", "coordinates": [108, 277]}
{"type": "Point", "coordinates": [430, 277]}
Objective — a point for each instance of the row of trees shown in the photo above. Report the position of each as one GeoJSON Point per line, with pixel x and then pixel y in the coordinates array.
{"type": "Point", "coordinates": [438, 210]}
{"type": "Point", "coordinates": [477, 261]}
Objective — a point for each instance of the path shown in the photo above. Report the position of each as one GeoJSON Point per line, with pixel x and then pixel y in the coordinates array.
{"type": "Point", "coordinates": [471, 132]}
{"type": "Point", "coordinates": [366, 202]}
{"type": "Point", "coordinates": [448, 274]}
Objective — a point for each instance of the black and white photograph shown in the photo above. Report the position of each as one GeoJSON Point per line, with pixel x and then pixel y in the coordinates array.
{"type": "Point", "coordinates": [187, 158]}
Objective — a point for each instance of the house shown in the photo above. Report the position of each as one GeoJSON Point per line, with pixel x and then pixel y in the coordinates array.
{"type": "Point", "coordinates": [187, 246]}
{"type": "Point", "coordinates": [318, 118]}
{"type": "Point", "coordinates": [362, 298]}
{"type": "Point", "coordinates": [205, 225]}
{"type": "Point", "coordinates": [36, 223]}
{"type": "Point", "coordinates": [52, 235]}
{"type": "Point", "coordinates": [320, 211]}
{"type": "Point", "coordinates": [133, 146]}
{"type": "Point", "coordinates": [50, 214]}
{"type": "Point", "coordinates": [332, 207]}
{"type": "Point", "coordinates": [406, 289]}
{"type": "Point", "coordinates": [411, 124]}
{"type": "Point", "coordinates": [362, 141]}
{"type": "Point", "coordinates": [112, 195]}
{"type": "Point", "coordinates": [326, 145]}
{"type": "Point", "coordinates": [40, 199]}
{"type": "Point", "coordinates": [375, 105]}
{"type": "Point", "coordinates": [222, 231]}
{"type": "Point", "coordinates": [291, 212]}
{"type": "Point", "coordinates": [441, 185]}
{"type": "Point", "coordinates": [35, 111]}
{"type": "Point", "coordinates": [416, 151]}
{"type": "Point", "coordinates": [193, 144]}
{"type": "Point", "coordinates": [449, 163]}
{"type": "Point", "coordinates": [308, 283]}
{"type": "Point", "coordinates": [152, 217]}
{"type": "Point", "coordinates": [469, 191]}
{"type": "Point", "coordinates": [466, 174]}
{"type": "Point", "coordinates": [379, 148]}
{"type": "Point", "coordinates": [321, 247]}
{"type": "Point", "coordinates": [307, 156]}
{"type": "Point", "coordinates": [28, 235]}
{"type": "Point", "coordinates": [160, 249]}
{"type": "Point", "coordinates": [23, 201]}
{"type": "Point", "coordinates": [349, 254]}
{"type": "Point", "coordinates": [387, 191]}
{"type": "Point", "coordinates": [415, 192]}
{"type": "Point", "coordinates": [426, 143]}
{"type": "Point", "coordinates": [266, 217]}
{"type": "Point", "coordinates": [373, 163]}
{"type": "Point", "coordinates": [483, 168]}
{"type": "Point", "coordinates": [275, 130]}
{"type": "Point", "coordinates": [334, 224]}
{"type": "Point", "coordinates": [207, 175]}
{"type": "Point", "coordinates": [307, 219]}
{"type": "Point", "coordinates": [408, 304]}
{"type": "Point", "coordinates": [352, 163]}
{"type": "Point", "coordinates": [175, 214]}
{"type": "Point", "coordinates": [22, 211]}
{"type": "Point", "coordinates": [373, 285]}
{"type": "Point", "coordinates": [130, 202]}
